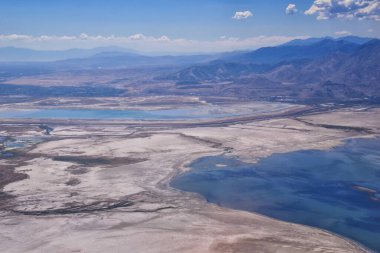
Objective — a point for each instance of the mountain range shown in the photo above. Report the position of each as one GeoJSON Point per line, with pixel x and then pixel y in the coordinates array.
{"type": "Point", "coordinates": [311, 69]}
{"type": "Point", "coordinates": [325, 68]}
{"type": "Point", "coordinates": [14, 54]}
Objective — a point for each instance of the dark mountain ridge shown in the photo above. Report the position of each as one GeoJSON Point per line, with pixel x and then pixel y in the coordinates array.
{"type": "Point", "coordinates": [362, 67]}
{"type": "Point", "coordinates": [327, 69]}
{"type": "Point", "coordinates": [309, 41]}
{"type": "Point", "coordinates": [274, 55]}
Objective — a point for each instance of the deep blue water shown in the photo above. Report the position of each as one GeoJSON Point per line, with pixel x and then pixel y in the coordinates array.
{"type": "Point", "coordinates": [311, 187]}
{"type": "Point", "coordinates": [168, 114]}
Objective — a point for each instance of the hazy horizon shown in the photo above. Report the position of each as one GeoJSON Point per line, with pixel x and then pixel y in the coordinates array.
{"type": "Point", "coordinates": [181, 26]}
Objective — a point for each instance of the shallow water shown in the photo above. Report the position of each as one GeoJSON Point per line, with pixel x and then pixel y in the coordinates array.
{"type": "Point", "coordinates": [337, 190]}
{"type": "Point", "coordinates": [197, 112]}
{"type": "Point", "coordinates": [106, 114]}
{"type": "Point", "coordinates": [7, 144]}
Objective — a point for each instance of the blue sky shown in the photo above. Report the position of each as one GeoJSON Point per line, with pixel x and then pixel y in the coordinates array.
{"type": "Point", "coordinates": [190, 20]}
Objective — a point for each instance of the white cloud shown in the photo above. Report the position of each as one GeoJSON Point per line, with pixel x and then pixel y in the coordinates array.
{"type": "Point", "coordinates": [343, 33]}
{"type": "Point", "coordinates": [15, 37]}
{"type": "Point", "coordinates": [82, 36]}
{"type": "Point", "coordinates": [164, 38]}
{"type": "Point", "coordinates": [137, 36]}
{"type": "Point", "coordinates": [348, 9]}
{"type": "Point", "coordinates": [291, 9]}
{"type": "Point", "coordinates": [242, 15]}
{"type": "Point", "coordinates": [370, 30]}
{"type": "Point", "coordinates": [142, 42]}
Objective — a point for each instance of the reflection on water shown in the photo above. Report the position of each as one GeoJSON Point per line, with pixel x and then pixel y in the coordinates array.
{"type": "Point", "coordinates": [337, 190]}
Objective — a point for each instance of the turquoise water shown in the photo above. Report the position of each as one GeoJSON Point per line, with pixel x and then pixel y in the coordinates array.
{"type": "Point", "coordinates": [336, 190]}
{"type": "Point", "coordinates": [7, 144]}
{"type": "Point", "coordinates": [170, 114]}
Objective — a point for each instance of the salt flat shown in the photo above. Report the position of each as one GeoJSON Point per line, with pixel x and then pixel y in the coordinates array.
{"type": "Point", "coordinates": [99, 188]}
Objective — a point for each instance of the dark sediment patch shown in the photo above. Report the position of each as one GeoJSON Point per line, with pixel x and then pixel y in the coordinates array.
{"type": "Point", "coordinates": [212, 143]}
{"type": "Point", "coordinates": [75, 170]}
{"type": "Point", "coordinates": [73, 182]}
{"type": "Point", "coordinates": [264, 245]}
{"type": "Point", "coordinates": [139, 135]}
{"type": "Point", "coordinates": [83, 160]}
{"type": "Point", "coordinates": [338, 127]}
{"type": "Point", "coordinates": [129, 204]}
{"type": "Point", "coordinates": [77, 209]}
{"type": "Point", "coordinates": [93, 161]}
{"type": "Point", "coordinates": [8, 175]}
{"type": "Point", "coordinates": [4, 200]}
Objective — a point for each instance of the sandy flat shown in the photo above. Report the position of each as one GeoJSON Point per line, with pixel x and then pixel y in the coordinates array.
{"type": "Point", "coordinates": [106, 189]}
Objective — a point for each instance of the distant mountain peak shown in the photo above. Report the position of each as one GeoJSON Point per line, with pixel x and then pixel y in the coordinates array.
{"type": "Point", "coordinates": [309, 41]}
{"type": "Point", "coordinates": [9, 54]}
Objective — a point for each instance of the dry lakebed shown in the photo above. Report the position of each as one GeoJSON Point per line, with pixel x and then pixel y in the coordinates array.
{"type": "Point", "coordinates": [104, 185]}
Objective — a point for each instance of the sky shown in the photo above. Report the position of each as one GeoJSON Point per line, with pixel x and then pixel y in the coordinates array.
{"type": "Point", "coordinates": [184, 26]}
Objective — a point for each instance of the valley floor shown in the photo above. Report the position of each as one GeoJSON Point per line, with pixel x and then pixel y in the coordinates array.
{"type": "Point", "coordinates": [104, 187]}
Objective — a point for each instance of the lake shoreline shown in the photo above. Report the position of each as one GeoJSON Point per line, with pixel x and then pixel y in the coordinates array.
{"type": "Point", "coordinates": [190, 170]}
{"type": "Point", "coordinates": [198, 225]}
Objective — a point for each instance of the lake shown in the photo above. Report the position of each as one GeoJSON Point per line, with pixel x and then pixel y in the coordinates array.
{"type": "Point", "coordinates": [174, 114]}
{"type": "Point", "coordinates": [191, 113]}
{"type": "Point", "coordinates": [337, 190]}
